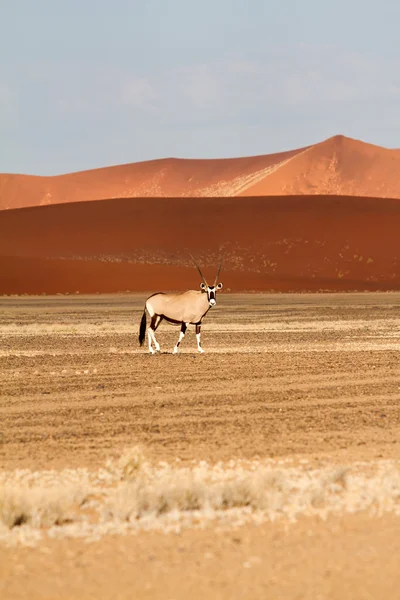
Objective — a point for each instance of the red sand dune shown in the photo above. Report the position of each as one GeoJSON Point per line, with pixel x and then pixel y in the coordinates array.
{"type": "Point", "coordinates": [339, 165]}
{"type": "Point", "coordinates": [169, 177]}
{"type": "Point", "coordinates": [289, 243]}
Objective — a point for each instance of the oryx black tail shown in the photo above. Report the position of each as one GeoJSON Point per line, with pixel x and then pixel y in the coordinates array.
{"type": "Point", "coordinates": [142, 330]}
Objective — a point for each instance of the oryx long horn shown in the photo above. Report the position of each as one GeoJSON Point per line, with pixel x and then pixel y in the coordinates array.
{"type": "Point", "coordinates": [199, 270]}
{"type": "Point", "coordinates": [219, 270]}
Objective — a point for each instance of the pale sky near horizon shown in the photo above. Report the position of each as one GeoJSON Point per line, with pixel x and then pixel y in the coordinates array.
{"type": "Point", "coordinates": [93, 83]}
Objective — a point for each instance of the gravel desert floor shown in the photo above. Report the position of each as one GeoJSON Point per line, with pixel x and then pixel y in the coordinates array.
{"type": "Point", "coordinates": [267, 467]}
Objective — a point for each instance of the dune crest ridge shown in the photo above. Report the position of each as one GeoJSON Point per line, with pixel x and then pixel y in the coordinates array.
{"type": "Point", "coordinates": [338, 166]}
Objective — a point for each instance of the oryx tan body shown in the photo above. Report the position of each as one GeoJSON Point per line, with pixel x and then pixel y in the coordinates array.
{"type": "Point", "coordinates": [186, 308]}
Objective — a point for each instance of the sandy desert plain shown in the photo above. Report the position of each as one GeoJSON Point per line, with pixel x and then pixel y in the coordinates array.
{"type": "Point", "coordinates": [267, 467]}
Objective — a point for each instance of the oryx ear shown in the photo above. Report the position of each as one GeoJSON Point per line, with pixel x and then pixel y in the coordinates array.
{"type": "Point", "coordinates": [203, 286]}
{"type": "Point", "coordinates": [219, 286]}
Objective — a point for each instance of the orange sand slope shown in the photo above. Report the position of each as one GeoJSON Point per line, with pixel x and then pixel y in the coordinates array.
{"type": "Point", "coordinates": [339, 165]}
{"type": "Point", "coordinates": [170, 177]}
{"type": "Point", "coordinates": [294, 243]}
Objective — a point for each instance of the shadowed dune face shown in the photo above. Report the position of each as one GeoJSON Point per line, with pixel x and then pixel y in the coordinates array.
{"type": "Point", "coordinates": [284, 244]}
{"type": "Point", "coordinates": [338, 166]}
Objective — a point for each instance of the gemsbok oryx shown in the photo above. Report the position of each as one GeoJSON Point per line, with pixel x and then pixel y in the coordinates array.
{"type": "Point", "coordinates": [188, 308]}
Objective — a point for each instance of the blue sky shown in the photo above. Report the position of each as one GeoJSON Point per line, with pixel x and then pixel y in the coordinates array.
{"type": "Point", "coordinates": [92, 83]}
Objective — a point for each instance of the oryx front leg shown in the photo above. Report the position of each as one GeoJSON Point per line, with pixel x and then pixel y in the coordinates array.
{"type": "Point", "coordinates": [181, 336]}
{"type": "Point", "coordinates": [198, 328]}
{"type": "Point", "coordinates": [155, 321]}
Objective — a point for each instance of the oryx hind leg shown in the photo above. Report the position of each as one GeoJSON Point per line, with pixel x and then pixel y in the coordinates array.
{"type": "Point", "coordinates": [181, 336]}
{"type": "Point", "coordinates": [155, 321]}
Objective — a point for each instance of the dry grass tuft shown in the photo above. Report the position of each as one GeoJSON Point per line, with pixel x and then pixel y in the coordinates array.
{"type": "Point", "coordinates": [39, 507]}
{"type": "Point", "coordinates": [131, 494]}
{"type": "Point", "coordinates": [128, 465]}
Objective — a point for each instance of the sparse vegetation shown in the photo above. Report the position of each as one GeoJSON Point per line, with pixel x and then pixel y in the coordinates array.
{"type": "Point", "coordinates": [130, 493]}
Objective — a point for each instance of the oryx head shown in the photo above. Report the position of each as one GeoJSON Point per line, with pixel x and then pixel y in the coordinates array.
{"type": "Point", "coordinates": [210, 290]}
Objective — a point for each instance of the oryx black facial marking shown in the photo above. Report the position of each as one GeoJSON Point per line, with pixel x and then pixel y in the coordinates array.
{"type": "Point", "coordinates": [211, 291]}
{"type": "Point", "coordinates": [179, 309]}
